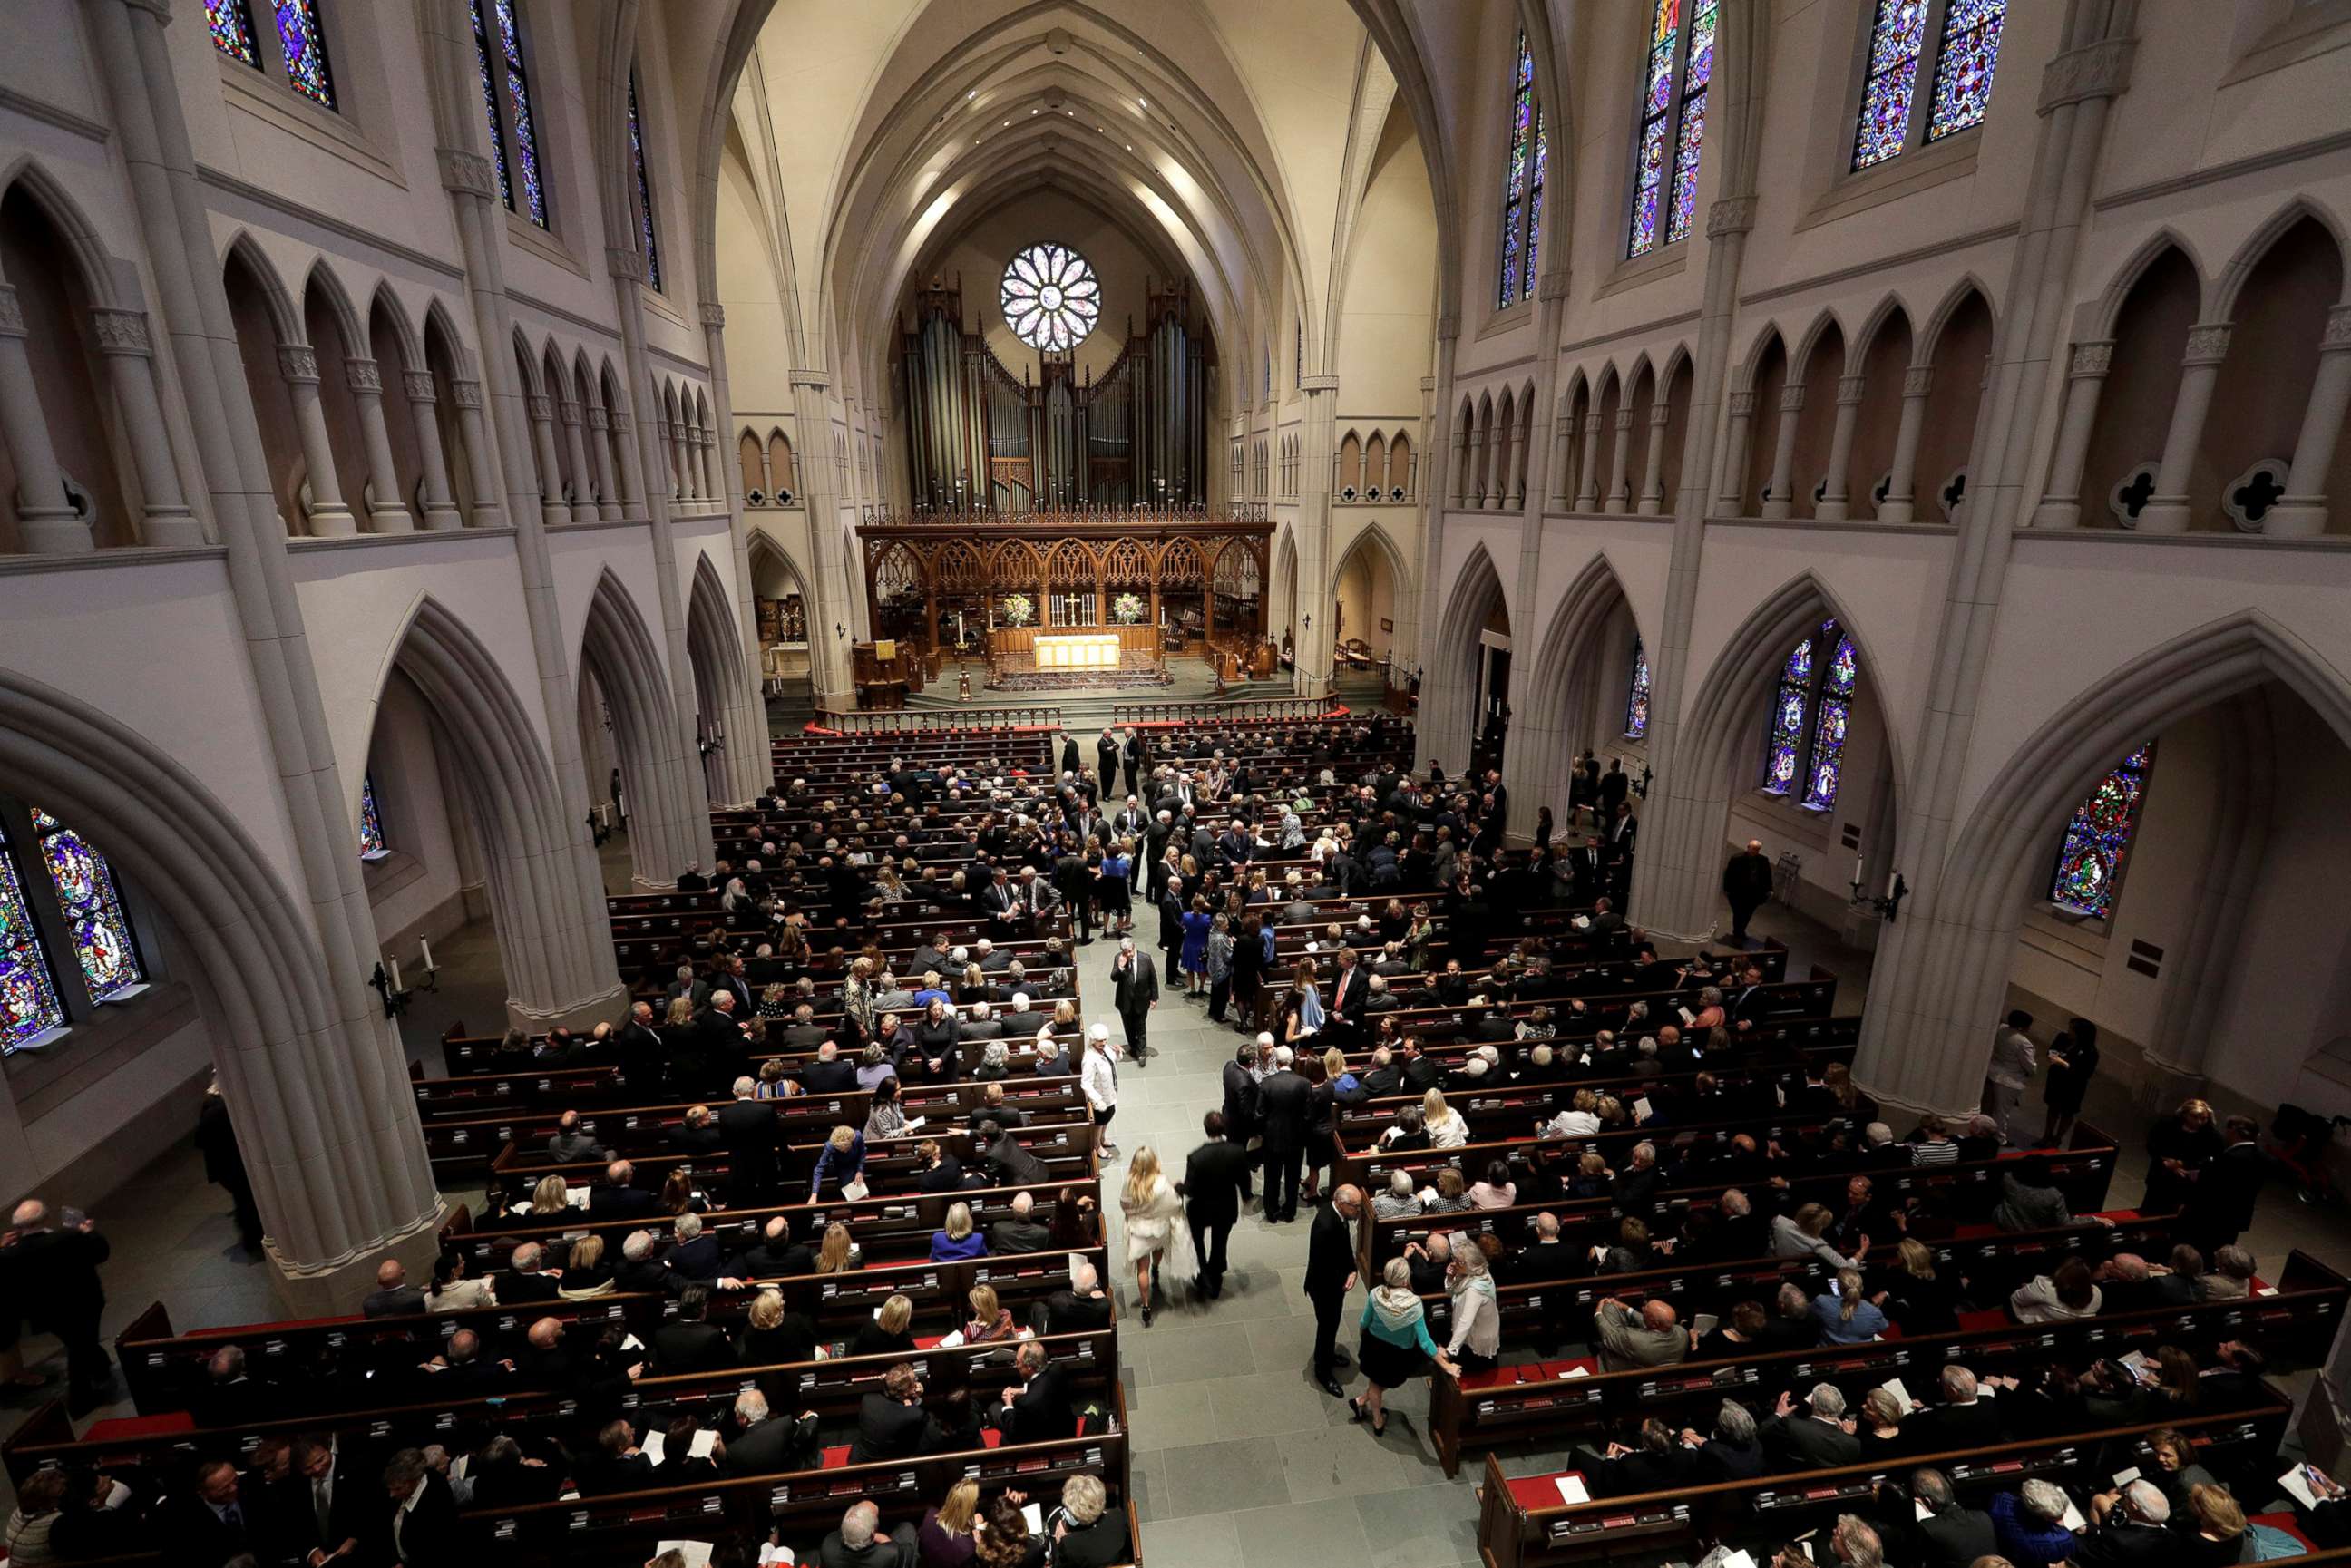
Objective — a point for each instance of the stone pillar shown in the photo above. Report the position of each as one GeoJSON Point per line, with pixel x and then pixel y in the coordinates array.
{"type": "Point", "coordinates": [554, 511]}
{"type": "Point", "coordinates": [46, 527]}
{"type": "Point", "coordinates": [1587, 482]}
{"type": "Point", "coordinates": [1460, 445]}
{"type": "Point", "coordinates": [752, 766]}
{"type": "Point", "coordinates": [1782, 501]}
{"type": "Point", "coordinates": [1620, 461]}
{"type": "Point", "coordinates": [2170, 510]}
{"type": "Point", "coordinates": [1563, 440]}
{"type": "Point", "coordinates": [440, 507]}
{"type": "Point", "coordinates": [386, 515]}
{"type": "Point", "coordinates": [122, 338]}
{"type": "Point", "coordinates": [599, 443]}
{"type": "Point", "coordinates": [583, 505]}
{"type": "Point", "coordinates": [673, 435]}
{"type": "Point", "coordinates": [481, 464]}
{"type": "Point", "coordinates": [1902, 478]}
{"type": "Point", "coordinates": [1427, 742]}
{"type": "Point", "coordinates": [298, 365]}
{"type": "Point", "coordinates": [2303, 511]}
{"type": "Point", "coordinates": [1653, 468]}
{"type": "Point", "coordinates": [830, 589]}
{"type": "Point", "coordinates": [1318, 438]}
{"type": "Point", "coordinates": [1832, 507]}
{"type": "Point", "coordinates": [1733, 495]}
{"type": "Point", "coordinates": [632, 468]}
{"type": "Point", "coordinates": [711, 490]}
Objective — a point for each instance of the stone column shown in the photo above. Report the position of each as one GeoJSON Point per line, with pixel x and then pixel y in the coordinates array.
{"type": "Point", "coordinates": [1427, 742]}
{"type": "Point", "coordinates": [1620, 461]}
{"type": "Point", "coordinates": [1832, 507]}
{"type": "Point", "coordinates": [632, 468]}
{"type": "Point", "coordinates": [298, 365]}
{"type": "Point", "coordinates": [440, 507]}
{"type": "Point", "coordinates": [1562, 439]}
{"type": "Point", "coordinates": [2170, 510]}
{"type": "Point", "coordinates": [1653, 468]}
{"type": "Point", "coordinates": [386, 514]}
{"type": "Point", "coordinates": [711, 489]}
{"type": "Point", "coordinates": [1587, 482]}
{"type": "Point", "coordinates": [481, 465]}
{"type": "Point", "coordinates": [599, 443]}
{"type": "Point", "coordinates": [553, 509]}
{"type": "Point", "coordinates": [1733, 495]}
{"type": "Point", "coordinates": [46, 527]}
{"type": "Point", "coordinates": [1460, 445]}
{"type": "Point", "coordinates": [1783, 454]}
{"type": "Point", "coordinates": [1902, 476]}
{"type": "Point", "coordinates": [583, 505]}
{"type": "Point", "coordinates": [2303, 511]}
{"type": "Point", "coordinates": [752, 765]}
{"type": "Point", "coordinates": [130, 354]}
{"type": "Point", "coordinates": [1318, 437]}
{"type": "Point", "coordinates": [829, 589]}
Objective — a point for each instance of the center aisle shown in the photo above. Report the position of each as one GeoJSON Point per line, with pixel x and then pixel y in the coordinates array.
{"type": "Point", "coordinates": [1239, 1457]}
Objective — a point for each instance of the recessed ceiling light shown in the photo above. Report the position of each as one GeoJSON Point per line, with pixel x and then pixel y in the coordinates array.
{"type": "Point", "coordinates": [1143, 103]}
{"type": "Point", "coordinates": [1032, 111]}
{"type": "Point", "coordinates": [972, 93]}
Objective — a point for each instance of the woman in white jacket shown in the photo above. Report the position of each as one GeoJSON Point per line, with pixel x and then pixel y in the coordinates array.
{"type": "Point", "coordinates": [1098, 1077]}
{"type": "Point", "coordinates": [1158, 1239]}
{"type": "Point", "coordinates": [1446, 1130]}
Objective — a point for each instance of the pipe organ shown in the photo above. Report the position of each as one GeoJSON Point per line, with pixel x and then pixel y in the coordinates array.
{"type": "Point", "coordinates": [981, 440]}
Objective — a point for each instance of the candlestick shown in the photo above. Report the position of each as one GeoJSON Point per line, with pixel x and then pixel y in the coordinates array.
{"type": "Point", "coordinates": [1857, 870]}
{"type": "Point", "coordinates": [396, 975]}
{"type": "Point", "coordinates": [1891, 878]}
{"type": "Point", "coordinates": [425, 945]}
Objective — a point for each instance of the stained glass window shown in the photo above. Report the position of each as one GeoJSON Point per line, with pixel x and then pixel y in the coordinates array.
{"type": "Point", "coordinates": [372, 844]}
{"type": "Point", "coordinates": [232, 27]}
{"type": "Point", "coordinates": [1963, 63]}
{"type": "Point", "coordinates": [2098, 835]}
{"type": "Point", "coordinates": [1051, 297]}
{"type": "Point", "coordinates": [1810, 707]}
{"type": "Point", "coordinates": [1636, 701]}
{"type": "Point", "coordinates": [1675, 73]}
{"type": "Point", "coordinates": [304, 44]}
{"type": "Point", "coordinates": [1522, 183]}
{"type": "Point", "coordinates": [92, 902]}
{"type": "Point", "coordinates": [1966, 45]}
{"type": "Point", "coordinates": [644, 190]}
{"type": "Point", "coordinates": [526, 131]}
{"type": "Point", "coordinates": [28, 993]}
{"type": "Point", "coordinates": [490, 107]}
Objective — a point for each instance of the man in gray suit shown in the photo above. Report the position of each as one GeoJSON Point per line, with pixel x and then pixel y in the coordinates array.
{"type": "Point", "coordinates": [1135, 988]}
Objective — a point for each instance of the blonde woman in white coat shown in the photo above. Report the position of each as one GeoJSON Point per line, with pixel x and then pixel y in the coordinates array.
{"type": "Point", "coordinates": [1158, 1239]}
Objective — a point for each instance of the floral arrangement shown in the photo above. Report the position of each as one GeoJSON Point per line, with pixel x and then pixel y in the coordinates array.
{"type": "Point", "coordinates": [1127, 610]}
{"type": "Point", "coordinates": [1020, 610]}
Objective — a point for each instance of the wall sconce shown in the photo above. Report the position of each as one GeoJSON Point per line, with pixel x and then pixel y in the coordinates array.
{"type": "Point", "coordinates": [387, 986]}
{"type": "Point", "coordinates": [1896, 890]}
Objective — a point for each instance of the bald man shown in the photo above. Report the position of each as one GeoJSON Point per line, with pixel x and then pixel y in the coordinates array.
{"type": "Point", "coordinates": [1747, 884]}
{"type": "Point", "coordinates": [1653, 1336]}
{"type": "Point", "coordinates": [393, 1296]}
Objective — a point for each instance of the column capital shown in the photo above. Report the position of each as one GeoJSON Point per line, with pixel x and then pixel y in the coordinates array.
{"type": "Point", "coordinates": [1552, 285]}
{"type": "Point", "coordinates": [625, 261]}
{"type": "Point", "coordinates": [2091, 357]}
{"type": "Point", "coordinates": [468, 174]}
{"type": "Point", "coordinates": [814, 380]}
{"type": "Point", "coordinates": [1448, 326]}
{"type": "Point", "coordinates": [596, 418]}
{"type": "Point", "coordinates": [1318, 384]}
{"type": "Point", "coordinates": [2338, 329]}
{"type": "Point", "coordinates": [298, 363]}
{"type": "Point", "coordinates": [569, 412]}
{"type": "Point", "coordinates": [417, 386]}
{"type": "Point", "coordinates": [1624, 419]}
{"type": "Point", "coordinates": [1742, 405]}
{"type": "Point", "coordinates": [2096, 71]}
{"type": "Point", "coordinates": [12, 312]}
{"type": "Point", "coordinates": [2208, 343]}
{"type": "Point", "coordinates": [121, 332]}
{"type": "Point", "coordinates": [714, 314]}
{"type": "Point", "coordinates": [621, 424]}
{"type": "Point", "coordinates": [464, 393]}
{"type": "Point", "coordinates": [1791, 399]}
{"type": "Point", "coordinates": [542, 407]}
{"type": "Point", "coordinates": [1918, 381]}
{"type": "Point", "coordinates": [1851, 389]}
{"type": "Point", "coordinates": [1732, 214]}
{"type": "Point", "coordinates": [363, 375]}
{"type": "Point", "coordinates": [1592, 424]}
{"type": "Point", "coordinates": [1661, 413]}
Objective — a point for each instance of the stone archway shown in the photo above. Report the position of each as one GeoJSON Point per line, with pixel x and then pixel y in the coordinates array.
{"type": "Point", "coordinates": [667, 819]}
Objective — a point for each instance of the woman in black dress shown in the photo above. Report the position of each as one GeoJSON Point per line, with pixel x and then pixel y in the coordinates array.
{"type": "Point", "coordinates": [2073, 1062]}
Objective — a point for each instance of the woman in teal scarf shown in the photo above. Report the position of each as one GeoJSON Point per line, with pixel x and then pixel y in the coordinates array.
{"type": "Point", "coordinates": [1396, 1341]}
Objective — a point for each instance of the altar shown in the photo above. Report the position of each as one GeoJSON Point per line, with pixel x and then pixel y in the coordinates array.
{"type": "Point", "coordinates": [1078, 651]}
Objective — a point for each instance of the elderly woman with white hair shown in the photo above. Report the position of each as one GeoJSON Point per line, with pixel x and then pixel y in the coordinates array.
{"type": "Point", "coordinates": [1098, 1077]}
{"type": "Point", "coordinates": [2030, 1522]}
{"type": "Point", "coordinates": [1087, 1532]}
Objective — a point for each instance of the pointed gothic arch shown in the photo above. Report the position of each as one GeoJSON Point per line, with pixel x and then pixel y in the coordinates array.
{"type": "Point", "coordinates": [650, 741]}
{"type": "Point", "coordinates": [1568, 689]}
{"type": "Point", "coordinates": [713, 643]}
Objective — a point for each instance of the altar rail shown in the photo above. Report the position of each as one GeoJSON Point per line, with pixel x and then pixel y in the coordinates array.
{"type": "Point", "coordinates": [912, 721]}
{"type": "Point", "coordinates": [1244, 710]}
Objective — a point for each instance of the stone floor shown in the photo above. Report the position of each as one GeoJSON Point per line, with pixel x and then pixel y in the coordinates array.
{"type": "Point", "coordinates": [1238, 1457]}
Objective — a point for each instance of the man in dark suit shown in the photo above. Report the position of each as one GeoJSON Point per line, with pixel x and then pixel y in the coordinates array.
{"type": "Point", "coordinates": [1747, 885]}
{"type": "Point", "coordinates": [1963, 1420]}
{"type": "Point", "coordinates": [892, 1424]}
{"type": "Point", "coordinates": [1000, 902]}
{"type": "Point", "coordinates": [330, 1503]}
{"type": "Point", "coordinates": [859, 1542]}
{"type": "Point", "coordinates": [1038, 1409]}
{"type": "Point", "coordinates": [748, 1129]}
{"type": "Point", "coordinates": [767, 1444]}
{"type": "Point", "coordinates": [1329, 1276]}
{"type": "Point", "coordinates": [1019, 1231]}
{"type": "Point", "coordinates": [1106, 760]}
{"type": "Point", "coordinates": [2220, 1205]}
{"type": "Point", "coordinates": [1083, 1308]}
{"type": "Point", "coordinates": [642, 1054]}
{"type": "Point", "coordinates": [214, 1525]}
{"type": "Point", "coordinates": [618, 1464]}
{"type": "Point", "coordinates": [1656, 1462]}
{"type": "Point", "coordinates": [422, 1527]}
{"type": "Point", "coordinates": [1215, 1177]}
{"type": "Point", "coordinates": [618, 1196]}
{"type": "Point", "coordinates": [688, 1343]}
{"type": "Point", "coordinates": [775, 1255]}
{"type": "Point", "coordinates": [1009, 1159]}
{"type": "Point", "coordinates": [803, 1033]}
{"type": "Point", "coordinates": [726, 979]}
{"type": "Point", "coordinates": [1352, 989]}
{"type": "Point", "coordinates": [1241, 1107]}
{"type": "Point", "coordinates": [393, 1297]}
{"type": "Point", "coordinates": [1816, 1440]}
{"type": "Point", "coordinates": [1950, 1536]}
{"type": "Point", "coordinates": [524, 1280]}
{"type": "Point", "coordinates": [829, 1073]}
{"type": "Point", "coordinates": [2132, 1531]}
{"type": "Point", "coordinates": [1285, 1106]}
{"type": "Point", "coordinates": [1134, 990]}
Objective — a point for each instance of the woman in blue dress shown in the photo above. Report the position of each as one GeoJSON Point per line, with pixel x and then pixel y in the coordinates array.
{"type": "Point", "coordinates": [1112, 889]}
{"type": "Point", "coordinates": [1194, 959]}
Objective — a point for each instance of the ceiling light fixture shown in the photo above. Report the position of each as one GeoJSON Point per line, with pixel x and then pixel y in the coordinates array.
{"type": "Point", "coordinates": [972, 93]}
